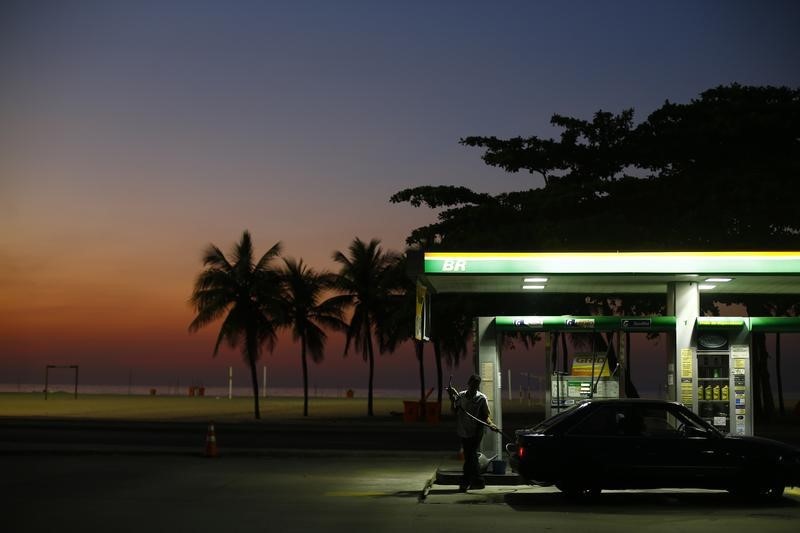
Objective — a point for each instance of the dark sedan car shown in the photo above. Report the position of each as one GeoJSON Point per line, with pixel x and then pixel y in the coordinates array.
{"type": "Point", "coordinates": [641, 444]}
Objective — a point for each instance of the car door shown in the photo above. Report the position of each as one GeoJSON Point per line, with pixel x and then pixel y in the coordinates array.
{"type": "Point", "coordinates": [599, 450]}
{"type": "Point", "coordinates": [675, 451]}
{"type": "Point", "coordinates": [704, 451]}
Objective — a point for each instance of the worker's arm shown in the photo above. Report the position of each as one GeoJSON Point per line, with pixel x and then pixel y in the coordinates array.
{"type": "Point", "coordinates": [455, 398]}
{"type": "Point", "coordinates": [486, 417]}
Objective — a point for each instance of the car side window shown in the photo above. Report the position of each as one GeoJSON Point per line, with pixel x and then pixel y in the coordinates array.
{"type": "Point", "coordinates": [659, 422]}
{"type": "Point", "coordinates": [632, 424]}
{"type": "Point", "coordinates": [684, 421]}
{"type": "Point", "coordinates": [605, 421]}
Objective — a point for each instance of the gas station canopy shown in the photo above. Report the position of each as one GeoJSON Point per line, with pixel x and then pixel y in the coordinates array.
{"type": "Point", "coordinates": [709, 368]}
{"type": "Point", "coordinates": [612, 273]}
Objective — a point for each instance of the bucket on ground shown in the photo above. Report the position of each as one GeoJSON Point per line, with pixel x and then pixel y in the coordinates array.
{"type": "Point", "coordinates": [497, 466]}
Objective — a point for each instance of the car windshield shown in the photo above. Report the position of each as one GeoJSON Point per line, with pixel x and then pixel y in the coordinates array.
{"type": "Point", "coordinates": [687, 413]}
{"type": "Point", "coordinates": [669, 415]}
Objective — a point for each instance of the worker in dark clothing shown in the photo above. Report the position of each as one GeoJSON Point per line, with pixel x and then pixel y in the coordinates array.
{"type": "Point", "coordinates": [471, 408]}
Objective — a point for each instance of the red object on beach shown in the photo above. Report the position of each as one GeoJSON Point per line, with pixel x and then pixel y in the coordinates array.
{"type": "Point", "coordinates": [433, 411]}
{"type": "Point", "coordinates": [410, 411]}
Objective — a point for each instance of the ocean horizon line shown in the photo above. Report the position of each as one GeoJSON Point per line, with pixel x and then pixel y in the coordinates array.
{"type": "Point", "coordinates": [212, 391]}
{"type": "Point", "coordinates": [246, 392]}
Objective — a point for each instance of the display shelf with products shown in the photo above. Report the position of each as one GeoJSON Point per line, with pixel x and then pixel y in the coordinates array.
{"type": "Point", "coordinates": [713, 388]}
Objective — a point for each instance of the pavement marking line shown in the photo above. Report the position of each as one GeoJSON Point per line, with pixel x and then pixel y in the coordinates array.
{"type": "Point", "coordinates": [426, 489]}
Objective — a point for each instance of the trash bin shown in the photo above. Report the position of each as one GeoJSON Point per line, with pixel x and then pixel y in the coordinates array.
{"type": "Point", "coordinates": [191, 391]}
{"type": "Point", "coordinates": [410, 411]}
{"type": "Point", "coordinates": [433, 411]}
{"type": "Point", "coordinates": [201, 391]}
{"type": "Point", "coordinates": [152, 392]}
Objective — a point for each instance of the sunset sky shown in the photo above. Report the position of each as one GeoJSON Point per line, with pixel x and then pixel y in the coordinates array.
{"type": "Point", "coordinates": [133, 134]}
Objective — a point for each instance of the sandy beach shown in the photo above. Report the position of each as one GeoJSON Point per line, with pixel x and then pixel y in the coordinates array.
{"type": "Point", "coordinates": [285, 410]}
{"type": "Point", "coordinates": [185, 408]}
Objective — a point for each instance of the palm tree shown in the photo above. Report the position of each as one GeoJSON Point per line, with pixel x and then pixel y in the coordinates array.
{"type": "Point", "coordinates": [363, 281]}
{"type": "Point", "coordinates": [305, 314]}
{"type": "Point", "coordinates": [246, 294]}
{"type": "Point", "coordinates": [400, 320]}
{"type": "Point", "coordinates": [450, 329]}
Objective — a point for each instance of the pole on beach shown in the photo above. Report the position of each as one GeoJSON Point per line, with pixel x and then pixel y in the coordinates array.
{"type": "Point", "coordinates": [230, 382]}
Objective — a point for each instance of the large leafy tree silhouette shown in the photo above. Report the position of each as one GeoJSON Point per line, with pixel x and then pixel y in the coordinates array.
{"type": "Point", "coordinates": [718, 173]}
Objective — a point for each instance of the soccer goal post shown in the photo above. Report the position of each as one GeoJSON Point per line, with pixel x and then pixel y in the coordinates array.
{"type": "Point", "coordinates": [47, 377]}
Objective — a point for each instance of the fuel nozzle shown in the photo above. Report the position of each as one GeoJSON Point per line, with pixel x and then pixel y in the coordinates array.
{"type": "Point", "coordinates": [453, 393]}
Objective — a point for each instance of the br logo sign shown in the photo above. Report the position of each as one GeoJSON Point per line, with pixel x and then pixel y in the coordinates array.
{"type": "Point", "coordinates": [454, 265]}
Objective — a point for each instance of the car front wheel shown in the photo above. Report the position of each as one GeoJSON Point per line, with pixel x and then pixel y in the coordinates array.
{"type": "Point", "coordinates": [772, 491]}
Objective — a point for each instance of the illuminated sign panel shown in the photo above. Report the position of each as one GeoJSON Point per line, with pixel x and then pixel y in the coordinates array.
{"type": "Point", "coordinates": [614, 263]}
{"type": "Point", "coordinates": [720, 321]}
{"type": "Point", "coordinates": [595, 323]}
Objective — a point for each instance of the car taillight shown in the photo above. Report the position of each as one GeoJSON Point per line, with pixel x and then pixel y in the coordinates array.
{"type": "Point", "coordinates": [521, 452]}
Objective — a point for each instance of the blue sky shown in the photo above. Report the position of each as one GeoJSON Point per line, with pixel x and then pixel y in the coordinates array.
{"type": "Point", "coordinates": [135, 133]}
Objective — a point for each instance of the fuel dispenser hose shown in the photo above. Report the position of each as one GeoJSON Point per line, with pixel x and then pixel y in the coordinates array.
{"type": "Point", "coordinates": [488, 425]}
{"type": "Point", "coordinates": [455, 394]}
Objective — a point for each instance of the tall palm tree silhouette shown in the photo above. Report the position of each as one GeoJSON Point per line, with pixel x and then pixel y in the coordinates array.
{"type": "Point", "coordinates": [246, 293]}
{"type": "Point", "coordinates": [365, 285]}
{"type": "Point", "coordinates": [305, 314]}
{"type": "Point", "coordinates": [452, 318]}
{"type": "Point", "coordinates": [400, 319]}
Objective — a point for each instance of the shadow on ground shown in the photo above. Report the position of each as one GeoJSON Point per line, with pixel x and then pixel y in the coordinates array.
{"type": "Point", "coordinates": [641, 502]}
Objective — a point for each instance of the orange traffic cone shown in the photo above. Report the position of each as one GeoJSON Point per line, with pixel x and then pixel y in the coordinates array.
{"type": "Point", "coordinates": [211, 442]}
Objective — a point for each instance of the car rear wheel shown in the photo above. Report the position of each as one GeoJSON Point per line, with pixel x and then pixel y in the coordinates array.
{"type": "Point", "coordinates": [576, 491]}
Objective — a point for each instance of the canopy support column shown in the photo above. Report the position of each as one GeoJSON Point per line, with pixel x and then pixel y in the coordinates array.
{"type": "Point", "coordinates": [683, 302]}
{"type": "Point", "coordinates": [488, 368]}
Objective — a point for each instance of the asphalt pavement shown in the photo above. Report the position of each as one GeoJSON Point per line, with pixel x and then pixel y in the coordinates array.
{"type": "Point", "coordinates": [380, 435]}
{"type": "Point", "coordinates": [123, 493]}
{"type": "Point", "coordinates": [302, 475]}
